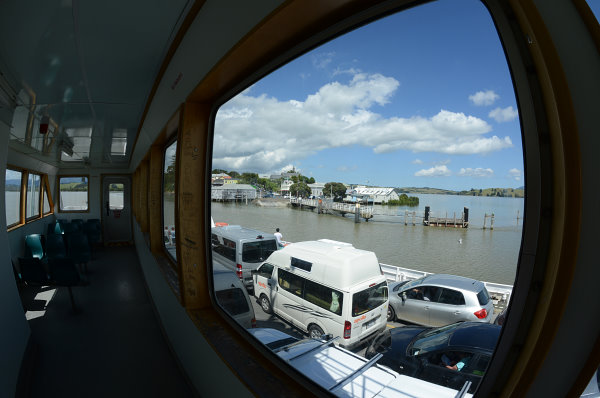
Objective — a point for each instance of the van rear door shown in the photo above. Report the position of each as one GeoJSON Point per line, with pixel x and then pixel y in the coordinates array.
{"type": "Point", "coordinates": [369, 309]}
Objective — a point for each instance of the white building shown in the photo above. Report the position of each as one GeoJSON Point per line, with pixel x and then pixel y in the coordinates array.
{"type": "Point", "coordinates": [373, 194]}
{"type": "Point", "coordinates": [316, 188]}
{"type": "Point", "coordinates": [230, 192]}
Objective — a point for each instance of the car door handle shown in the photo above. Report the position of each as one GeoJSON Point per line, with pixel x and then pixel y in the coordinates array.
{"type": "Point", "coordinates": [426, 307]}
{"type": "Point", "coordinates": [456, 312]}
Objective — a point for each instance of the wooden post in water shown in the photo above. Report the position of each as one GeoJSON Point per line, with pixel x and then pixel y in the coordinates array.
{"type": "Point", "coordinates": [446, 220]}
{"type": "Point", "coordinates": [405, 217]}
{"type": "Point", "coordinates": [484, 219]}
{"type": "Point", "coordinates": [492, 221]}
{"type": "Point", "coordinates": [357, 213]}
{"type": "Point", "coordinates": [414, 215]}
{"type": "Point", "coordinates": [454, 220]}
{"type": "Point", "coordinates": [518, 217]}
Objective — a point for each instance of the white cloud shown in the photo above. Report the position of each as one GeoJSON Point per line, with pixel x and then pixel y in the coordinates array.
{"type": "Point", "coordinates": [515, 173]}
{"type": "Point", "coordinates": [477, 172]}
{"type": "Point", "coordinates": [484, 98]}
{"type": "Point", "coordinates": [441, 162]}
{"type": "Point", "coordinates": [261, 133]}
{"type": "Point", "coordinates": [417, 161]}
{"type": "Point", "coordinates": [321, 60]}
{"type": "Point", "coordinates": [436, 171]}
{"type": "Point", "coordinates": [504, 115]}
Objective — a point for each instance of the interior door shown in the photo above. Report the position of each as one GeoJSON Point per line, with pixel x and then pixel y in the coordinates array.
{"type": "Point", "coordinates": [116, 208]}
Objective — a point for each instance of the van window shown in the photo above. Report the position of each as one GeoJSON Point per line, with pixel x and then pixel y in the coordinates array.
{"type": "Point", "coordinates": [323, 296]}
{"type": "Point", "coordinates": [265, 270]}
{"type": "Point", "coordinates": [225, 249]}
{"type": "Point", "coordinates": [453, 297]}
{"type": "Point", "coordinates": [257, 252]}
{"type": "Point", "coordinates": [233, 301]}
{"type": "Point", "coordinates": [369, 299]}
{"type": "Point", "coordinates": [305, 265]}
{"type": "Point", "coordinates": [290, 282]}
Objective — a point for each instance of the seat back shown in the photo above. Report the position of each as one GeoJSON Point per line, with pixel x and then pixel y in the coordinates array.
{"type": "Point", "coordinates": [79, 248]}
{"type": "Point", "coordinates": [33, 271]}
{"type": "Point", "coordinates": [34, 246]}
{"type": "Point", "coordinates": [55, 228]}
{"type": "Point", "coordinates": [63, 272]}
{"type": "Point", "coordinates": [71, 228]}
{"type": "Point", "coordinates": [55, 246]}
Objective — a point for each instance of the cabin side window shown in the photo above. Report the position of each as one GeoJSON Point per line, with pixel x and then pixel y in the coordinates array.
{"type": "Point", "coordinates": [12, 197]}
{"type": "Point", "coordinates": [168, 193]}
{"type": "Point", "coordinates": [47, 197]}
{"type": "Point", "coordinates": [73, 193]}
{"type": "Point", "coordinates": [32, 207]}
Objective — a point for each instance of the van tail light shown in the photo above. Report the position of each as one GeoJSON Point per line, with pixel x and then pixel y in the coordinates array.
{"type": "Point", "coordinates": [239, 271]}
{"type": "Point", "coordinates": [253, 322]}
{"type": "Point", "coordinates": [481, 314]}
{"type": "Point", "coordinates": [347, 329]}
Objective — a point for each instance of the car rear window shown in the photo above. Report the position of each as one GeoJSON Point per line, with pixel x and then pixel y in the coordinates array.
{"type": "Point", "coordinates": [257, 252]}
{"type": "Point", "coordinates": [483, 297]}
{"type": "Point", "coordinates": [369, 299]}
{"type": "Point", "coordinates": [233, 301]}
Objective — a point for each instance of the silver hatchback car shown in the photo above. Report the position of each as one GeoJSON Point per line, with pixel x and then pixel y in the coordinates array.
{"type": "Point", "coordinates": [440, 299]}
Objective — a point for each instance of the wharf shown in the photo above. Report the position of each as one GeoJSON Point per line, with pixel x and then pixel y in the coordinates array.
{"type": "Point", "coordinates": [329, 207]}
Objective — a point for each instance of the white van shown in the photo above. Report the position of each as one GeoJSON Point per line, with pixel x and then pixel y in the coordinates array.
{"type": "Point", "coordinates": [325, 287]}
{"type": "Point", "coordinates": [241, 249]}
{"type": "Point", "coordinates": [232, 296]}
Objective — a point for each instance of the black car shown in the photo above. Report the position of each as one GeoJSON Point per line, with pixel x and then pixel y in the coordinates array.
{"type": "Point", "coordinates": [449, 355]}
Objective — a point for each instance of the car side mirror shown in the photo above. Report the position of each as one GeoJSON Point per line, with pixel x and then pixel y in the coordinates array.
{"type": "Point", "coordinates": [254, 271]}
{"type": "Point", "coordinates": [403, 296]}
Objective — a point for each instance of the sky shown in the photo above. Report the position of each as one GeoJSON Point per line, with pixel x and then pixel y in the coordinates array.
{"type": "Point", "coordinates": [421, 98]}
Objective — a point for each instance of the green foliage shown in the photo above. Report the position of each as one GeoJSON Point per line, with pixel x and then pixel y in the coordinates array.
{"type": "Point", "coordinates": [74, 187]}
{"type": "Point", "coordinates": [300, 189]}
{"type": "Point", "coordinates": [249, 178]}
{"type": "Point", "coordinates": [234, 174]}
{"type": "Point", "coordinates": [337, 189]}
{"type": "Point", "coordinates": [219, 171]}
{"type": "Point", "coordinates": [404, 200]}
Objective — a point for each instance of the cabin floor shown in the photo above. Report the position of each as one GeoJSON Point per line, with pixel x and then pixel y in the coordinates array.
{"type": "Point", "coordinates": [112, 346]}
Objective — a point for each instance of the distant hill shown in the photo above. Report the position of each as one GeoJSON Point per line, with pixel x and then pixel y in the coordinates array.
{"type": "Point", "coordinates": [499, 192]}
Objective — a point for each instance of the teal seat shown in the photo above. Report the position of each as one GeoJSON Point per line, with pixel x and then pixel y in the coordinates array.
{"type": "Point", "coordinates": [33, 271]}
{"type": "Point", "coordinates": [55, 247]}
{"type": "Point", "coordinates": [55, 228]}
{"type": "Point", "coordinates": [79, 250]}
{"type": "Point", "coordinates": [34, 246]}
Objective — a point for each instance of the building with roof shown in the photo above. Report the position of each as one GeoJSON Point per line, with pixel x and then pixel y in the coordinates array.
{"type": "Point", "coordinates": [376, 195]}
{"type": "Point", "coordinates": [316, 188]}
{"type": "Point", "coordinates": [233, 192]}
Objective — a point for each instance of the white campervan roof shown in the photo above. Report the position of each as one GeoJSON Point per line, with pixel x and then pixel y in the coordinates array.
{"type": "Point", "coordinates": [338, 263]}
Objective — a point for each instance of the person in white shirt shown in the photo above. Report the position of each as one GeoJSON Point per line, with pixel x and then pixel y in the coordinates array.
{"type": "Point", "coordinates": [279, 237]}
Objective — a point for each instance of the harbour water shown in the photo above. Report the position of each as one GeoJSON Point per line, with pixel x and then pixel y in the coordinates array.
{"type": "Point", "coordinates": [483, 254]}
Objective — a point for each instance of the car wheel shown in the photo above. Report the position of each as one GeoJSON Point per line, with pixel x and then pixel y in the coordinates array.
{"type": "Point", "coordinates": [265, 304]}
{"type": "Point", "coordinates": [391, 315]}
{"type": "Point", "coordinates": [315, 332]}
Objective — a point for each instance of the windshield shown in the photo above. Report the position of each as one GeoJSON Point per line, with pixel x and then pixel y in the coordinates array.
{"type": "Point", "coordinates": [369, 299]}
{"type": "Point", "coordinates": [233, 301]}
{"type": "Point", "coordinates": [257, 252]}
{"type": "Point", "coordinates": [431, 340]}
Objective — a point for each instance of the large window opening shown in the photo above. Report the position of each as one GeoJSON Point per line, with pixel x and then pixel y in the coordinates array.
{"type": "Point", "coordinates": [32, 208]}
{"type": "Point", "coordinates": [12, 197]}
{"type": "Point", "coordinates": [73, 193]}
{"type": "Point", "coordinates": [169, 168]}
{"type": "Point", "coordinates": [401, 138]}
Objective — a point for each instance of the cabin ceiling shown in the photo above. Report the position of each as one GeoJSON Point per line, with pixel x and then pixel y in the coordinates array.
{"type": "Point", "coordinates": [86, 68]}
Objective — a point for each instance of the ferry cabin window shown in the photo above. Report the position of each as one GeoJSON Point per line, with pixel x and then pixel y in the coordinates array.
{"type": "Point", "coordinates": [115, 196]}
{"type": "Point", "coordinates": [401, 137]}
{"type": "Point", "coordinates": [73, 193]}
{"type": "Point", "coordinates": [46, 195]}
{"type": "Point", "coordinates": [168, 221]}
{"type": "Point", "coordinates": [33, 196]}
{"type": "Point", "coordinates": [12, 197]}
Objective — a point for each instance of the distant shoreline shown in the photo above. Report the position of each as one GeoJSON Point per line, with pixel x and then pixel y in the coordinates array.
{"type": "Point", "coordinates": [494, 192]}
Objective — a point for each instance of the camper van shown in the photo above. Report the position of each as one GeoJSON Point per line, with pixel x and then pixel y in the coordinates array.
{"type": "Point", "coordinates": [325, 287]}
{"type": "Point", "coordinates": [241, 249]}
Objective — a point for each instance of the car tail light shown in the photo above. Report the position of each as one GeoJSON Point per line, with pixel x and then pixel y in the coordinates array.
{"type": "Point", "coordinates": [239, 271]}
{"type": "Point", "coordinates": [347, 329]}
{"type": "Point", "coordinates": [253, 322]}
{"type": "Point", "coordinates": [481, 314]}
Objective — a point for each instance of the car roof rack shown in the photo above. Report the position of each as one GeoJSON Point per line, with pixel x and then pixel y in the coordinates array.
{"type": "Point", "coordinates": [315, 348]}
{"type": "Point", "coordinates": [356, 373]}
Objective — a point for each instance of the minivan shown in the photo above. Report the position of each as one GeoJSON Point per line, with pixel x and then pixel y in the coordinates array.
{"type": "Point", "coordinates": [440, 299]}
{"type": "Point", "coordinates": [241, 249]}
{"type": "Point", "coordinates": [232, 296]}
{"type": "Point", "coordinates": [325, 287]}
